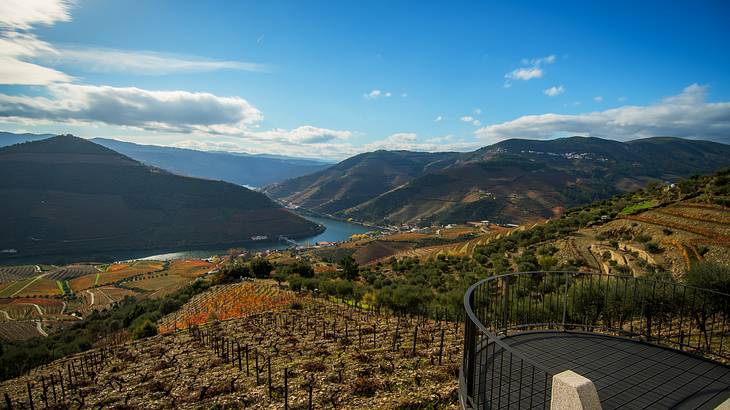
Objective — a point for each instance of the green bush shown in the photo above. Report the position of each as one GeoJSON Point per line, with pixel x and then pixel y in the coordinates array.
{"type": "Point", "coordinates": [261, 267]}
{"type": "Point", "coordinates": [652, 247]}
{"type": "Point", "coordinates": [147, 329]}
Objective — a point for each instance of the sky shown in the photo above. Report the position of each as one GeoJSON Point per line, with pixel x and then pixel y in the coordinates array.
{"type": "Point", "coordinates": [330, 79]}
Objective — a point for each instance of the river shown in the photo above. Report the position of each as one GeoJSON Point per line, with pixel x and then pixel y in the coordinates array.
{"type": "Point", "coordinates": [335, 231]}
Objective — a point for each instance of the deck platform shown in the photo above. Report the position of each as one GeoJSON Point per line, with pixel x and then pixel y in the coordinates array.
{"type": "Point", "coordinates": [627, 374]}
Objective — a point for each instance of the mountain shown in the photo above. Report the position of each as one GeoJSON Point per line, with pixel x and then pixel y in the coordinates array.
{"type": "Point", "coordinates": [69, 195]}
{"type": "Point", "coordinates": [9, 138]}
{"type": "Point", "coordinates": [512, 181]}
{"type": "Point", "coordinates": [357, 179]}
{"type": "Point", "coordinates": [241, 169]}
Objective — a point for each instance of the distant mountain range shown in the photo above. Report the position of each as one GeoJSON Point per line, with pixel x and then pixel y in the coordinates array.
{"type": "Point", "coordinates": [67, 195]}
{"type": "Point", "coordinates": [238, 168]}
{"type": "Point", "coordinates": [512, 181]}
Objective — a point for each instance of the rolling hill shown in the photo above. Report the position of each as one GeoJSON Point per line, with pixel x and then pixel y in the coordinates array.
{"type": "Point", "coordinates": [357, 179]}
{"type": "Point", "coordinates": [10, 138]}
{"type": "Point", "coordinates": [238, 168]}
{"type": "Point", "coordinates": [241, 169]}
{"type": "Point", "coordinates": [72, 196]}
{"type": "Point", "coordinates": [511, 181]}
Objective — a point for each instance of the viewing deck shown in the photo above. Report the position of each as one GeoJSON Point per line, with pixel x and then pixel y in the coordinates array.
{"type": "Point", "coordinates": [627, 374]}
{"type": "Point", "coordinates": [643, 344]}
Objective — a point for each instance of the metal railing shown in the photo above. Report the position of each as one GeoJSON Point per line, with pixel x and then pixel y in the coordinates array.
{"type": "Point", "coordinates": [497, 375]}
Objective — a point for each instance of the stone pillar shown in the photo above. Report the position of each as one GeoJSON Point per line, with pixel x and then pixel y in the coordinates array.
{"type": "Point", "coordinates": [572, 391]}
{"type": "Point", "coordinates": [724, 405]}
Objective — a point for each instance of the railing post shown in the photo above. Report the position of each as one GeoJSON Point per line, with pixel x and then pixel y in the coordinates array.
{"type": "Point", "coordinates": [565, 301]}
{"type": "Point", "coordinates": [470, 354]}
{"type": "Point", "coordinates": [505, 308]}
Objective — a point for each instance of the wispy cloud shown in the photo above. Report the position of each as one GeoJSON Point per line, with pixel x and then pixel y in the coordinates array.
{"type": "Point", "coordinates": [24, 14]}
{"type": "Point", "coordinates": [470, 119]}
{"type": "Point", "coordinates": [438, 118]}
{"type": "Point", "coordinates": [18, 46]}
{"type": "Point", "coordinates": [409, 141]}
{"type": "Point", "coordinates": [139, 62]}
{"type": "Point", "coordinates": [554, 91]}
{"type": "Point", "coordinates": [598, 98]}
{"type": "Point", "coordinates": [687, 114]}
{"type": "Point", "coordinates": [306, 134]}
{"type": "Point", "coordinates": [375, 94]}
{"type": "Point", "coordinates": [531, 69]}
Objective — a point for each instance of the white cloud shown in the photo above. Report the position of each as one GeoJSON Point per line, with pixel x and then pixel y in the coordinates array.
{"type": "Point", "coordinates": [477, 111]}
{"type": "Point", "coordinates": [306, 134]}
{"type": "Point", "coordinates": [212, 122]}
{"type": "Point", "coordinates": [17, 47]}
{"type": "Point", "coordinates": [24, 14]}
{"type": "Point", "coordinates": [27, 60]}
{"type": "Point", "coordinates": [375, 94]}
{"type": "Point", "coordinates": [554, 91]}
{"type": "Point", "coordinates": [139, 62]}
{"type": "Point", "coordinates": [533, 69]}
{"type": "Point", "coordinates": [440, 139]}
{"type": "Point", "coordinates": [409, 141]}
{"type": "Point", "coordinates": [439, 118]}
{"type": "Point", "coordinates": [686, 115]}
{"type": "Point", "coordinates": [469, 118]}
{"type": "Point", "coordinates": [175, 111]}
{"type": "Point", "coordinates": [598, 98]}
{"type": "Point", "coordinates": [524, 73]}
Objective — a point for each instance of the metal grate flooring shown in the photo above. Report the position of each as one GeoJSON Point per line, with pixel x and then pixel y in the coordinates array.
{"type": "Point", "coordinates": [627, 374]}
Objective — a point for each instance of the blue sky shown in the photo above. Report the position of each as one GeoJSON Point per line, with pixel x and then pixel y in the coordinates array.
{"type": "Point", "coordinates": [331, 79]}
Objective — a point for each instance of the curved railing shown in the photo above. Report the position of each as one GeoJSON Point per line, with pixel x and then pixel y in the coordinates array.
{"type": "Point", "coordinates": [496, 375]}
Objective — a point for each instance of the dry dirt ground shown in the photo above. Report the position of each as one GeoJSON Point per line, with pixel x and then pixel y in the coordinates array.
{"type": "Point", "coordinates": [348, 358]}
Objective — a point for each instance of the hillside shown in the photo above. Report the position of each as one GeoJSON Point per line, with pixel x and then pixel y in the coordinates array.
{"type": "Point", "coordinates": [66, 195]}
{"type": "Point", "coordinates": [310, 353]}
{"type": "Point", "coordinates": [514, 181]}
{"type": "Point", "coordinates": [241, 169]}
{"type": "Point", "coordinates": [238, 168]}
{"type": "Point", "coordinates": [357, 179]}
{"type": "Point", "coordinates": [9, 138]}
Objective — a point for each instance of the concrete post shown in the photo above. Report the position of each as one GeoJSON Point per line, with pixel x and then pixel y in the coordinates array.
{"type": "Point", "coordinates": [724, 405]}
{"type": "Point", "coordinates": [572, 391]}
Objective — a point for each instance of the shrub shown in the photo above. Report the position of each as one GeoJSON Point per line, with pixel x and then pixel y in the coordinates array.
{"type": "Point", "coordinates": [261, 267]}
{"type": "Point", "coordinates": [709, 275]}
{"type": "Point", "coordinates": [350, 268]}
{"type": "Point", "coordinates": [146, 330]}
{"type": "Point", "coordinates": [652, 247]}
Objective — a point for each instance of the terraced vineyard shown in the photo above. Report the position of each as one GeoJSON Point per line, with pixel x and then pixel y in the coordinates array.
{"type": "Point", "coordinates": [72, 271]}
{"type": "Point", "coordinates": [227, 302]}
{"type": "Point", "coordinates": [19, 330]}
{"type": "Point", "coordinates": [665, 238]}
{"type": "Point", "coordinates": [452, 249]}
{"type": "Point", "coordinates": [313, 354]}
{"type": "Point", "coordinates": [114, 273]}
{"type": "Point", "coordinates": [102, 297]}
{"type": "Point", "coordinates": [13, 273]}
